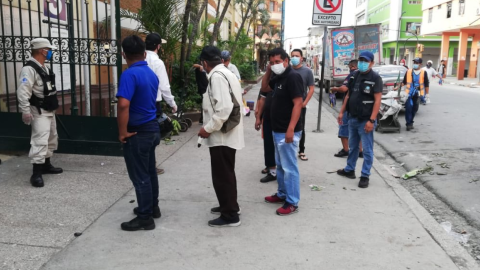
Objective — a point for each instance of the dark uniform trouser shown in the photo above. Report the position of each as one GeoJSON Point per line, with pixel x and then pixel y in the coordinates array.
{"type": "Point", "coordinates": [224, 180]}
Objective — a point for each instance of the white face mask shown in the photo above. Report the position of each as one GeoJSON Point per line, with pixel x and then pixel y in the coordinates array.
{"type": "Point", "coordinates": [278, 68]}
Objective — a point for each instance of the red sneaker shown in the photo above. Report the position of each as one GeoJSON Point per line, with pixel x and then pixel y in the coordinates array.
{"type": "Point", "coordinates": [274, 199]}
{"type": "Point", "coordinates": [287, 209]}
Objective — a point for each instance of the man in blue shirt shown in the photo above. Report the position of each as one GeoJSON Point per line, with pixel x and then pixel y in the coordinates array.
{"type": "Point", "coordinates": [139, 132]}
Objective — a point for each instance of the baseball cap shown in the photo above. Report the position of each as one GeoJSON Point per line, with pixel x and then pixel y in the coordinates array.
{"type": "Point", "coordinates": [417, 60]}
{"type": "Point", "coordinates": [225, 55]}
{"type": "Point", "coordinates": [155, 39]}
{"type": "Point", "coordinates": [40, 43]}
{"type": "Point", "coordinates": [210, 53]}
{"type": "Point", "coordinates": [367, 55]}
{"type": "Point", "coordinates": [430, 61]}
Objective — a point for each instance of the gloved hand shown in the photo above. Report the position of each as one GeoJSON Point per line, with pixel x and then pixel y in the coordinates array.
{"type": "Point", "coordinates": [174, 109]}
{"type": "Point", "coordinates": [427, 97]}
{"type": "Point", "coordinates": [27, 118]}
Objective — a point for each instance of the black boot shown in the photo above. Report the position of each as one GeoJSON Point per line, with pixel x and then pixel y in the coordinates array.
{"type": "Point", "coordinates": [36, 180]}
{"type": "Point", "coordinates": [49, 169]}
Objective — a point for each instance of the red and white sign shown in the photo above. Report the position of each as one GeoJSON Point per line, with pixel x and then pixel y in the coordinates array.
{"type": "Point", "coordinates": [327, 12]}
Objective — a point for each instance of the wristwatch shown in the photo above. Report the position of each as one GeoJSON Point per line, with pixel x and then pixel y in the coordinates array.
{"type": "Point", "coordinates": [371, 121]}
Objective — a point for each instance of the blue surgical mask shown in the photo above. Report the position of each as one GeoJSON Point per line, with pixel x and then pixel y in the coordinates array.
{"type": "Point", "coordinates": [49, 55]}
{"type": "Point", "coordinates": [363, 66]}
{"type": "Point", "coordinates": [295, 61]}
{"type": "Point", "coordinates": [415, 66]}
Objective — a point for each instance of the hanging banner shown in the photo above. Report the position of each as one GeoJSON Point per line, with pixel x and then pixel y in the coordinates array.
{"type": "Point", "coordinates": [343, 50]}
{"type": "Point", "coordinates": [368, 39]}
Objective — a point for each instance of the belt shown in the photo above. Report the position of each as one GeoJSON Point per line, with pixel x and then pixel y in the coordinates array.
{"type": "Point", "coordinates": [368, 102]}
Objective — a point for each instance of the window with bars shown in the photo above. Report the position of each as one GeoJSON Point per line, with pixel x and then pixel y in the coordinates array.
{"type": "Point", "coordinates": [461, 7]}
{"type": "Point", "coordinates": [449, 9]}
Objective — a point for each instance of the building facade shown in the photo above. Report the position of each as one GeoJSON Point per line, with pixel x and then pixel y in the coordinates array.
{"type": "Point", "coordinates": [457, 21]}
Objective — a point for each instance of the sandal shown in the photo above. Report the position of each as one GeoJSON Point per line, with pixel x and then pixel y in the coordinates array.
{"type": "Point", "coordinates": [303, 157]}
{"type": "Point", "coordinates": [266, 170]}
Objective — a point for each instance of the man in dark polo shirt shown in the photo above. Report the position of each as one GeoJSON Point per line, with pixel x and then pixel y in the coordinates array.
{"type": "Point", "coordinates": [285, 111]}
{"type": "Point", "coordinates": [139, 132]}
{"type": "Point", "coordinates": [362, 104]}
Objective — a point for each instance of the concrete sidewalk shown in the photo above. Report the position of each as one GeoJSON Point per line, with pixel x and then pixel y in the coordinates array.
{"type": "Point", "coordinates": [340, 227]}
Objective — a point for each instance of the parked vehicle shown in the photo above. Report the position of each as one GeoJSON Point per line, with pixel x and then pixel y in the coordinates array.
{"type": "Point", "coordinates": [345, 44]}
{"type": "Point", "coordinates": [390, 74]}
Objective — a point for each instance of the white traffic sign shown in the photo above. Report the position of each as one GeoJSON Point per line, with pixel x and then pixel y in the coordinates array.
{"type": "Point", "coordinates": [327, 12]}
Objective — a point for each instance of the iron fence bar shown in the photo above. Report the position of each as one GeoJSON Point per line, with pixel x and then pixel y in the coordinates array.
{"type": "Point", "coordinates": [29, 2]}
{"type": "Point", "coordinates": [39, 18]}
{"type": "Point", "coordinates": [4, 41]}
{"type": "Point", "coordinates": [108, 61]}
{"type": "Point", "coordinates": [21, 30]}
{"type": "Point", "coordinates": [98, 62]}
{"type": "Point", "coordinates": [71, 56]}
{"type": "Point", "coordinates": [89, 55]}
{"type": "Point", "coordinates": [48, 20]}
{"type": "Point", "coordinates": [13, 51]}
{"type": "Point", "coordinates": [79, 58]}
{"type": "Point", "coordinates": [117, 42]}
{"type": "Point", "coordinates": [60, 43]}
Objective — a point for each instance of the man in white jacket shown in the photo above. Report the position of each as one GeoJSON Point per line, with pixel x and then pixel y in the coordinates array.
{"type": "Point", "coordinates": [153, 43]}
{"type": "Point", "coordinates": [217, 107]}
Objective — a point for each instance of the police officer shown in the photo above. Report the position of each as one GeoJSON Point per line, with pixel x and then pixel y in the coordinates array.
{"type": "Point", "coordinates": [37, 97]}
{"type": "Point", "coordinates": [362, 104]}
{"type": "Point", "coordinates": [416, 80]}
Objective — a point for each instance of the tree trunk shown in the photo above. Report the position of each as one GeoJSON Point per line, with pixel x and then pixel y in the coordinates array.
{"type": "Point", "coordinates": [186, 16]}
{"type": "Point", "coordinates": [195, 22]}
{"type": "Point", "coordinates": [244, 19]}
{"type": "Point", "coordinates": [217, 25]}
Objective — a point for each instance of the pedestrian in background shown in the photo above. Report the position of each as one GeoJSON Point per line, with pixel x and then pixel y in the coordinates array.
{"type": "Point", "coordinates": [362, 104]}
{"type": "Point", "coordinates": [217, 107]}
{"type": "Point", "coordinates": [343, 128]}
{"type": "Point", "coordinates": [153, 43]}
{"type": "Point", "coordinates": [432, 74]}
{"type": "Point", "coordinates": [442, 69]}
{"type": "Point", "coordinates": [263, 121]}
{"type": "Point", "coordinates": [139, 132]}
{"type": "Point", "coordinates": [299, 66]}
{"type": "Point", "coordinates": [416, 80]}
{"type": "Point", "coordinates": [37, 100]}
{"type": "Point", "coordinates": [287, 100]}
{"type": "Point", "coordinates": [227, 58]}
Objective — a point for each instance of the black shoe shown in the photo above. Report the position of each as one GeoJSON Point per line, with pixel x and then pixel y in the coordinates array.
{"type": "Point", "coordinates": [350, 175]}
{"type": "Point", "coordinates": [49, 169]}
{"type": "Point", "coordinates": [268, 178]}
{"type": "Point", "coordinates": [138, 224]}
{"type": "Point", "coordinates": [409, 128]}
{"type": "Point", "coordinates": [36, 179]}
{"type": "Point", "coordinates": [360, 155]}
{"type": "Point", "coordinates": [363, 182]}
{"type": "Point", "coordinates": [216, 210]}
{"type": "Point", "coordinates": [221, 222]}
{"type": "Point", "coordinates": [156, 212]}
{"type": "Point", "coordinates": [342, 153]}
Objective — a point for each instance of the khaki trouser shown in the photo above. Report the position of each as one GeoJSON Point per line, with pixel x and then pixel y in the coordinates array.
{"type": "Point", "coordinates": [44, 137]}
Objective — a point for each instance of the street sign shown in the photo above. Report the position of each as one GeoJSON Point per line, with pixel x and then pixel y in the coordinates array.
{"type": "Point", "coordinates": [327, 12]}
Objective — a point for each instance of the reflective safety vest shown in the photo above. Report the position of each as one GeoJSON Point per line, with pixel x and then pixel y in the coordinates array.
{"type": "Point", "coordinates": [410, 81]}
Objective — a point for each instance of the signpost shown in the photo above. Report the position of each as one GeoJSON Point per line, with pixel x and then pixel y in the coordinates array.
{"type": "Point", "coordinates": [327, 13]}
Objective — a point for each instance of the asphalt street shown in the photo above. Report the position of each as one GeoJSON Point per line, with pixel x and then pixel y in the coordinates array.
{"type": "Point", "coordinates": [445, 138]}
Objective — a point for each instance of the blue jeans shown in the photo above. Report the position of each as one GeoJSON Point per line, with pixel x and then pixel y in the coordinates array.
{"type": "Point", "coordinates": [139, 154]}
{"type": "Point", "coordinates": [343, 128]}
{"type": "Point", "coordinates": [411, 108]}
{"type": "Point", "coordinates": [356, 130]}
{"type": "Point", "coordinates": [288, 176]}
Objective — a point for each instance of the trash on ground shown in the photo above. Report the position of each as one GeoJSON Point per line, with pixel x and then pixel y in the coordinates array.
{"type": "Point", "coordinates": [416, 172]}
{"type": "Point", "coordinates": [353, 189]}
{"type": "Point", "coordinates": [132, 201]}
{"type": "Point", "coordinates": [102, 164]}
{"type": "Point", "coordinates": [345, 188]}
{"type": "Point", "coordinates": [110, 173]}
{"type": "Point", "coordinates": [332, 172]}
{"type": "Point", "coordinates": [441, 173]}
{"type": "Point", "coordinates": [444, 165]}
{"type": "Point", "coordinates": [316, 188]}
{"type": "Point", "coordinates": [475, 180]}
{"type": "Point", "coordinates": [397, 165]}
{"type": "Point", "coordinates": [169, 142]}
{"type": "Point", "coordinates": [77, 234]}
{"type": "Point", "coordinates": [459, 237]}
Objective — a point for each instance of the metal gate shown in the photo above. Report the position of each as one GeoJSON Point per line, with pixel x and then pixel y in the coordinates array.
{"type": "Point", "coordinates": [87, 64]}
